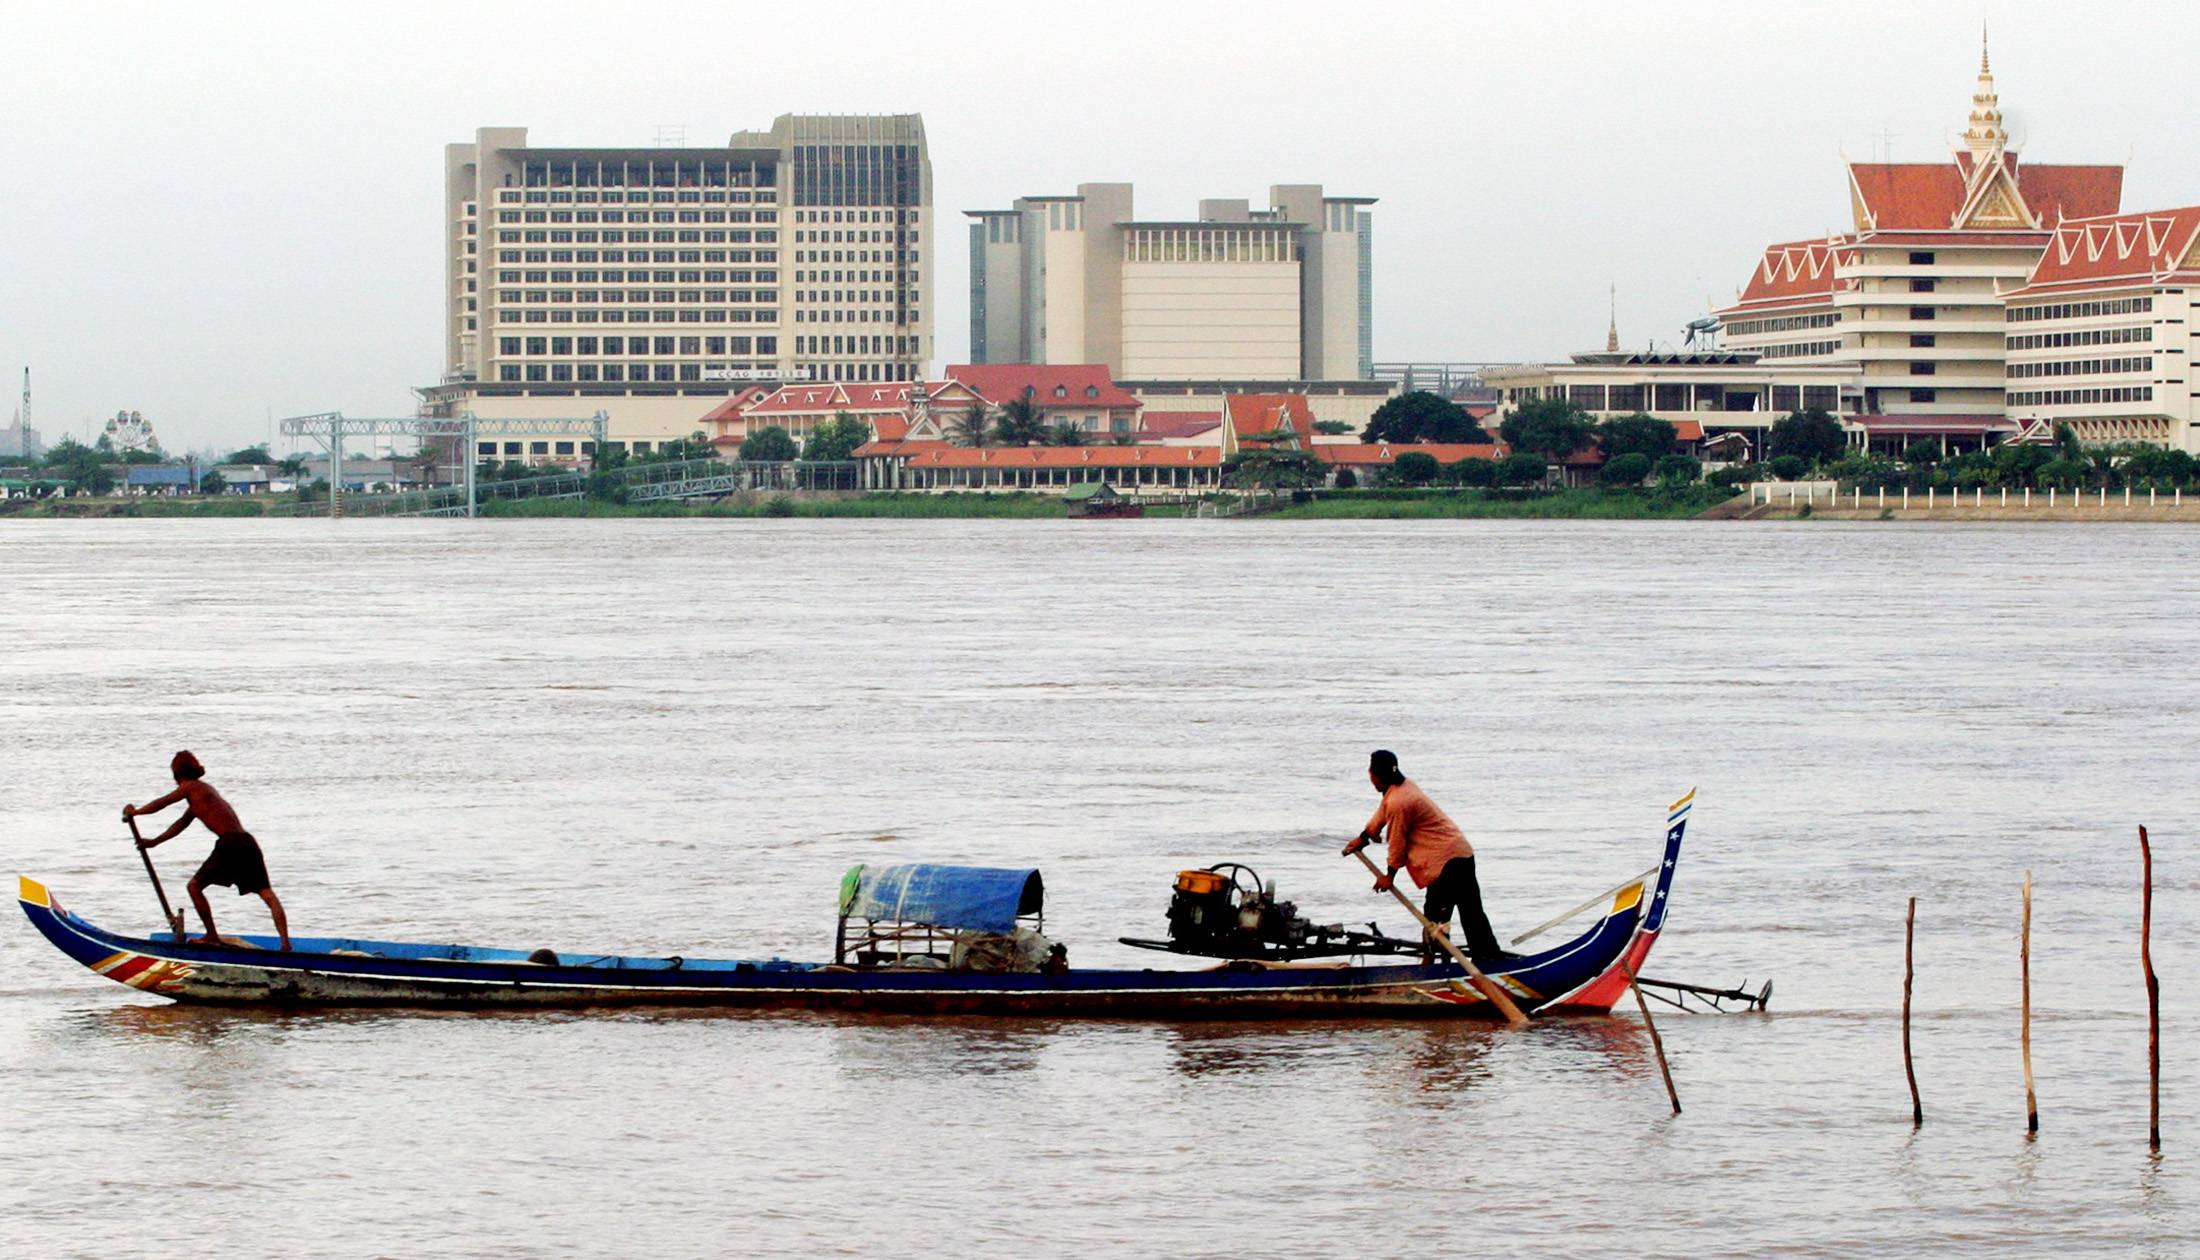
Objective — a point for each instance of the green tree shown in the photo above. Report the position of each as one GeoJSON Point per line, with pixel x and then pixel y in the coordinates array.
{"type": "Point", "coordinates": [1678, 470]}
{"type": "Point", "coordinates": [292, 468]}
{"type": "Point", "coordinates": [1332, 427]}
{"type": "Point", "coordinates": [1274, 466]}
{"type": "Point", "coordinates": [2067, 445]}
{"type": "Point", "coordinates": [2019, 462]}
{"type": "Point", "coordinates": [85, 468]}
{"type": "Point", "coordinates": [1624, 470]}
{"type": "Point", "coordinates": [837, 438]}
{"type": "Point", "coordinates": [1420, 416]}
{"type": "Point", "coordinates": [1523, 469]}
{"type": "Point", "coordinates": [1472, 471]}
{"type": "Point", "coordinates": [1550, 427]}
{"type": "Point", "coordinates": [2064, 472]}
{"type": "Point", "coordinates": [1020, 422]}
{"type": "Point", "coordinates": [213, 483]}
{"type": "Point", "coordinates": [248, 455]}
{"type": "Point", "coordinates": [1921, 454]}
{"type": "Point", "coordinates": [1415, 468]}
{"type": "Point", "coordinates": [974, 427]}
{"type": "Point", "coordinates": [1788, 467]}
{"type": "Point", "coordinates": [1638, 434]}
{"type": "Point", "coordinates": [1347, 479]}
{"type": "Point", "coordinates": [693, 446]}
{"type": "Point", "coordinates": [769, 445]}
{"type": "Point", "coordinates": [1067, 434]}
{"type": "Point", "coordinates": [425, 461]}
{"type": "Point", "coordinates": [1812, 435]}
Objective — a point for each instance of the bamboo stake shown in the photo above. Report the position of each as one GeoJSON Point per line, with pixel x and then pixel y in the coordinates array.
{"type": "Point", "coordinates": [2024, 954]}
{"type": "Point", "coordinates": [2154, 996]}
{"type": "Point", "coordinates": [1656, 1043]}
{"type": "Point", "coordinates": [1909, 939]}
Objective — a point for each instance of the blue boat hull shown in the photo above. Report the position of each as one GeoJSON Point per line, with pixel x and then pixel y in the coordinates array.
{"type": "Point", "coordinates": [1580, 976]}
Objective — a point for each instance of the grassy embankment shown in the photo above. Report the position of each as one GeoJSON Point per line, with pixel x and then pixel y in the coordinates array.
{"type": "Point", "coordinates": [884, 506]}
{"type": "Point", "coordinates": [78, 509]}
{"type": "Point", "coordinates": [1408, 505]}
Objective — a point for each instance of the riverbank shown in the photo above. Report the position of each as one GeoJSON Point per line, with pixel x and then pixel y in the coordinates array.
{"type": "Point", "coordinates": [93, 508]}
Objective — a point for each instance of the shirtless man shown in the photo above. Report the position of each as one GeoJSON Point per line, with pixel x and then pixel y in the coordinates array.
{"type": "Point", "coordinates": [236, 859]}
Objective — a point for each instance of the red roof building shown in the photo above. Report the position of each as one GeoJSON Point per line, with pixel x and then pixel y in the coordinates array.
{"type": "Point", "coordinates": [1910, 299]}
{"type": "Point", "coordinates": [2101, 336]}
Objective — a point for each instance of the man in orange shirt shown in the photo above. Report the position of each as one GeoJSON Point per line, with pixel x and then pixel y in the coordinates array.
{"type": "Point", "coordinates": [236, 859]}
{"type": "Point", "coordinates": [1426, 843]}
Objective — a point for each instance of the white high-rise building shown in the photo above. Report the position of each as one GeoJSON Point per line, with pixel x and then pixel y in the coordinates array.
{"type": "Point", "coordinates": [1236, 294]}
{"type": "Point", "coordinates": [653, 282]}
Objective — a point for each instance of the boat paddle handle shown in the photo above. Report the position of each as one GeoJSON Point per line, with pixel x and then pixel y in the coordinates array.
{"type": "Point", "coordinates": [1490, 988]}
{"type": "Point", "coordinates": [168, 916]}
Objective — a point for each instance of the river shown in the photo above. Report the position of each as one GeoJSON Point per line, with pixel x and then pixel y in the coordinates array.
{"type": "Point", "coordinates": [672, 736]}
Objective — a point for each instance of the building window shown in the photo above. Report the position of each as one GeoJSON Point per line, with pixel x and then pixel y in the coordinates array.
{"type": "Point", "coordinates": [538, 448]}
{"type": "Point", "coordinates": [1921, 367]}
{"type": "Point", "coordinates": [1922, 339]}
{"type": "Point", "coordinates": [1921, 286]}
{"type": "Point", "coordinates": [1922, 312]}
{"type": "Point", "coordinates": [1921, 258]}
{"type": "Point", "coordinates": [1922, 395]}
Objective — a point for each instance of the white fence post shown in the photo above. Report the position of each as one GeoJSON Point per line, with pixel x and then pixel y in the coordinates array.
{"type": "Point", "coordinates": [1931, 492]}
{"type": "Point", "coordinates": [1905, 498]}
{"type": "Point", "coordinates": [2005, 496]}
{"type": "Point", "coordinates": [1882, 496]}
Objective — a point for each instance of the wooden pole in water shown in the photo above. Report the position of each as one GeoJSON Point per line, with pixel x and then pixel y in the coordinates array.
{"type": "Point", "coordinates": [2024, 955]}
{"type": "Point", "coordinates": [2154, 996]}
{"type": "Point", "coordinates": [1909, 938]}
{"type": "Point", "coordinates": [1656, 1043]}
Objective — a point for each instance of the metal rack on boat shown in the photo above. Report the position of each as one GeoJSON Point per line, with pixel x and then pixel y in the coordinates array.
{"type": "Point", "coordinates": [961, 918]}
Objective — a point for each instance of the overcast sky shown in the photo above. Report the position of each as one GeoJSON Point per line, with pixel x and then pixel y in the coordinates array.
{"type": "Point", "coordinates": [215, 213]}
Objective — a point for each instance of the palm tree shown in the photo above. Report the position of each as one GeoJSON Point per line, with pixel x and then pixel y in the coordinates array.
{"type": "Point", "coordinates": [1021, 423]}
{"type": "Point", "coordinates": [1066, 434]}
{"type": "Point", "coordinates": [972, 428]}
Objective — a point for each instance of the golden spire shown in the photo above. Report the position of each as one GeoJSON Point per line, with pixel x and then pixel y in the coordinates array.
{"type": "Point", "coordinates": [1611, 331]}
{"type": "Point", "coordinates": [1986, 134]}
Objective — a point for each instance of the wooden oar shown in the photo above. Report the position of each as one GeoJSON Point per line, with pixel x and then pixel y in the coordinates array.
{"type": "Point", "coordinates": [1490, 988]}
{"type": "Point", "coordinates": [168, 916]}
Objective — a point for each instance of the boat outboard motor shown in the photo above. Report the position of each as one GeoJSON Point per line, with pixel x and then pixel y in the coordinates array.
{"type": "Point", "coordinates": [1226, 911]}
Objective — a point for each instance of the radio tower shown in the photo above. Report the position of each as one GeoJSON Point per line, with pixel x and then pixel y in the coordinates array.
{"type": "Point", "coordinates": [24, 419]}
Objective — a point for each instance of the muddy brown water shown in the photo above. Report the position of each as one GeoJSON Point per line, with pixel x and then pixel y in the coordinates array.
{"type": "Point", "coordinates": [673, 736]}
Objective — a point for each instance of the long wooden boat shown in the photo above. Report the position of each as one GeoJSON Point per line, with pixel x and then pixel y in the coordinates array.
{"type": "Point", "coordinates": [1582, 976]}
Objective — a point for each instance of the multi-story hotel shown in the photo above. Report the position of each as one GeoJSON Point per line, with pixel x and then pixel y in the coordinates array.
{"type": "Point", "coordinates": [653, 282]}
{"type": "Point", "coordinates": [2101, 336]}
{"type": "Point", "coordinates": [1911, 300]}
{"type": "Point", "coordinates": [1235, 295]}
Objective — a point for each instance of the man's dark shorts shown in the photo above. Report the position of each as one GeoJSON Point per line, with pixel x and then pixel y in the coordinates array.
{"type": "Point", "coordinates": [235, 861]}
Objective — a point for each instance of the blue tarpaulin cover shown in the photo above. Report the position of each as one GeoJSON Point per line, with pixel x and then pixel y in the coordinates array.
{"type": "Point", "coordinates": [959, 898]}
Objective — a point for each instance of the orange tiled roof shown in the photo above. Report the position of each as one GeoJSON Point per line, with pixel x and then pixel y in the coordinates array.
{"type": "Point", "coordinates": [1386, 453]}
{"type": "Point", "coordinates": [2119, 251]}
{"type": "Point", "coordinates": [1079, 384]}
{"type": "Point", "coordinates": [1265, 413]}
{"type": "Point", "coordinates": [1928, 195]}
{"type": "Point", "coordinates": [1796, 273]}
{"type": "Point", "coordinates": [947, 455]}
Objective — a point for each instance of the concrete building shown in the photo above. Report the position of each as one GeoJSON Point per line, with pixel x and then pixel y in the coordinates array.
{"type": "Point", "coordinates": [1910, 300]}
{"type": "Point", "coordinates": [654, 282]}
{"type": "Point", "coordinates": [1235, 295]}
{"type": "Point", "coordinates": [1703, 393]}
{"type": "Point", "coordinates": [2101, 335]}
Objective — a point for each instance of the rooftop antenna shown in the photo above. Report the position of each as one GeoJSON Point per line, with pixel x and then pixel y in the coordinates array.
{"type": "Point", "coordinates": [23, 417]}
{"type": "Point", "coordinates": [671, 136]}
{"type": "Point", "coordinates": [1886, 139]}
